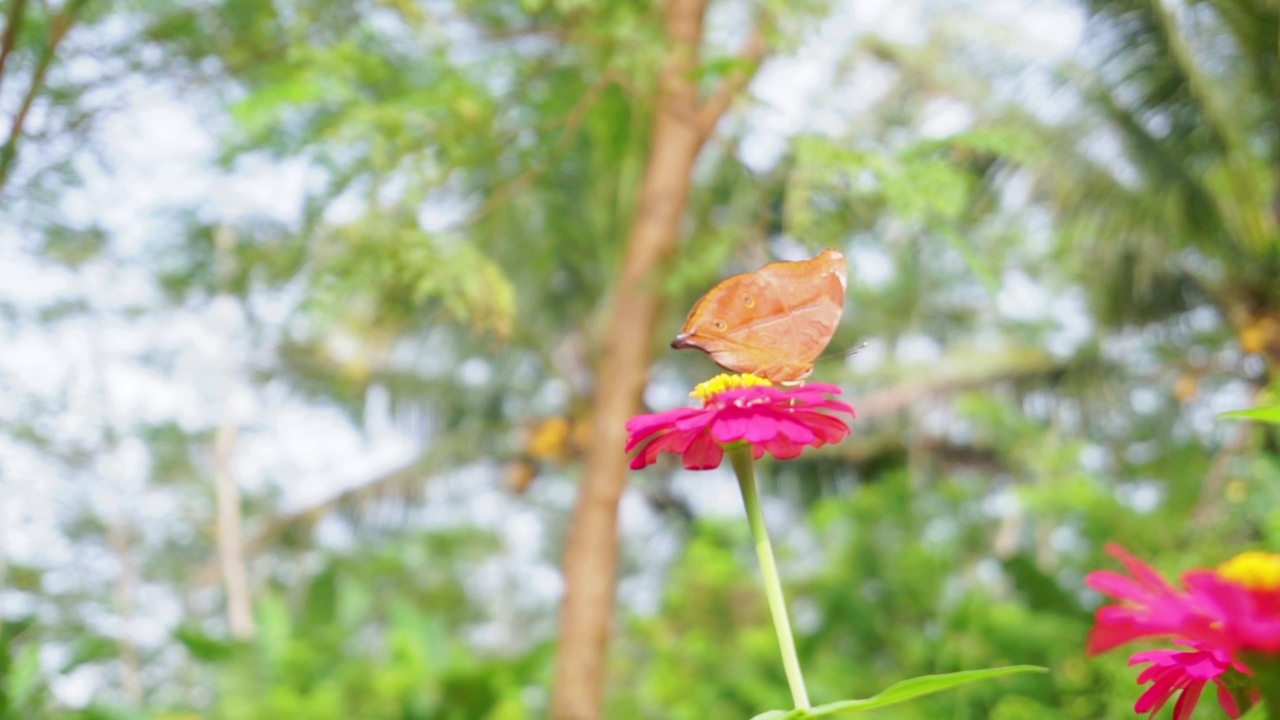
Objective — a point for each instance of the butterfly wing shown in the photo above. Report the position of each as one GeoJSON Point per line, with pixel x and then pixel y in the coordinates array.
{"type": "Point", "coordinates": [774, 322]}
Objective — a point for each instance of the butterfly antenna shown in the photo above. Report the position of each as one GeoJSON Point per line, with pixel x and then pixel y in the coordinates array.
{"type": "Point", "coordinates": [845, 353]}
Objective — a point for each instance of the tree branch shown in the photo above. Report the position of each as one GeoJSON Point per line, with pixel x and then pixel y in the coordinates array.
{"type": "Point", "coordinates": [60, 26]}
{"type": "Point", "coordinates": [12, 24]}
{"type": "Point", "coordinates": [715, 106]}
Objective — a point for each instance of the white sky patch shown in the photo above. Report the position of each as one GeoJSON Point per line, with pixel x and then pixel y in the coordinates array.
{"type": "Point", "coordinates": [915, 349]}
{"type": "Point", "coordinates": [1021, 298]}
{"type": "Point", "coordinates": [1073, 323]}
{"type": "Point", "coordinates": [709, 493]}
{"type": "Point", "coordinates": [1051, 30]}
{"type": "Point", "coordinates": [1145, 401]}
{"type": "Point", "coordinates": [801, 92]}
{"type": "Point", "coordinates": [871, 266]}
{"type": "Point", "coordinates": [944, 117]}
{"type": "Point", "coordinates": [312, 453]}
{"type": "Point", "coordinates": [1143, 496]}
{"type": "Point", "coordinates": [23, 280]}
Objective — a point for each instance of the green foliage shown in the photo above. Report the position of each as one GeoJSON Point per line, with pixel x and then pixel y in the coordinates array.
{"type": "Point", "coordinates": [369, 639]}
{"type": "Point", "coordinates": [475, 168]}
{"type": "Point", "coordinates": [73, 247]}
{"type": "Point", "coordinates": [399, 273]}
{"type": "Point", "coordinates": [22, 687]}
{"type": "Point", "coordinates": [1261, 414]}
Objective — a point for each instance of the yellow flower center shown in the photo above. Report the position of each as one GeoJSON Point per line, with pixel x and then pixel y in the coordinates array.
{"type": "Point", "coordinates": [720, 383]}
{"type": "Point", "coordinates": [1254, 570]}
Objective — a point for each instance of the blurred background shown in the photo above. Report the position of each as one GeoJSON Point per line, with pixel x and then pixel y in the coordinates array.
{"type": "Point", "coordinates": [319, 319]}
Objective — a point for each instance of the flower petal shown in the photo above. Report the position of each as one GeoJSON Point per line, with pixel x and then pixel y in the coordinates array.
{"type": "Point", "coordinates": [828, 428]}
{"type": "Point", "coordinates": [1187, 702]}
{"type": "Point", "coordinates": [1227, 701]}
{"type": "Point", "coordinates": [783, 448]}
{"type": "Point", "coordinates": [794, 428]}
{"type": "Point", "coordinates": [642, 427]}
{"type": "Point", "coordinates": [1157, 695]}
{"type": "Point", "coordinates": [1120, 587]}
{"type": "Point", "coordinates": [675, 442]}
{"type": "Point", "coordinates": [704, 453]}
{"type": "Point", "coordinates": [643, 423]}
{"type": "Point", "coordinates": [734, 424]}
{"type": "Point", "coordinates": [1144, 573]}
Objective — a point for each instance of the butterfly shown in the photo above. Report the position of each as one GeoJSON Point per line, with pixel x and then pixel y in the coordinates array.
{"type": "Point", "coordinates": [773, 322]}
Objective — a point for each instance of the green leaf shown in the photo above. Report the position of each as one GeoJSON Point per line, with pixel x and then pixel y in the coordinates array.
{"type": "Point", "coordinates": [203, 646]}
{"type": "Point", "coordinates": [914, 688]}
{"type": "Point", "coordinates": [1263, 414]}
{"type": "Point", "coordinates": [772, 715]}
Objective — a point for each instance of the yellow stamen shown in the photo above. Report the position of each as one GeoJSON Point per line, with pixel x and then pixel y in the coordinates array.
{"type": "Point", "coordinates": [1254, 570]}
{"type": "Point", "coordinates": [718, 384]}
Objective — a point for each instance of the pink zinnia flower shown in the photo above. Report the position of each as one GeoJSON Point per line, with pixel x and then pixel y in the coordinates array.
{"type": "Point", "coordinates": [1184, 673]}
{"type": "Point", "coordinates": [740, 409]}
{"type": "Point", "coordinates": [1227, 616]}
{"type": "Point", "coordinates": [1243, 598]}
{"type": "Point", "coordinates": [1151, 607]}
{"type": "Point", "coordinates": [1235, 607]}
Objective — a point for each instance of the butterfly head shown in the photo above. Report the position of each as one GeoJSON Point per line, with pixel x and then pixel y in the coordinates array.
{"type": "Point", "coordinates": [693, 336]}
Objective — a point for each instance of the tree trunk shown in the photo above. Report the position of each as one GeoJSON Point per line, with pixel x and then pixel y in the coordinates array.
{"type": "Point", "coordinates": [591, 557]}
{"type": "Point", "coordinates": [235, 578]}
{"type": "Point", "coordinates": [230, 538]}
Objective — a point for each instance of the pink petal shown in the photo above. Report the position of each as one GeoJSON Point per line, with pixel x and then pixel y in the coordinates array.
{"type": "Point", "coordinates": [1157, 695]}
{"type": "Point", "coordinates": [1115, 626]}
{"type": "Point", "coordinates": [1222, 599]}
{"type": "Point", "coordinates": [676, 442]}
{"type": "Point", "coordinates": [821, 388]}
{"type": "Point", "coordinates": [838, 406]}
{"type": "Point", "coordinates": [794, 429]}
{"type": "Point", "coordinates": [696, 421]}
{"type": "Point", "coordinates": [1227, 701]}
{"type": "Point", "coordinates": [1140, 570]}
{"type": "Point", "coordinates": [749, 395]}
{"type": "Point", "coordinates": [1187, 703]}
{"type": "Point", "coordinates": [1156, 672]}
{"type": "Point", "coordinates": [1159, 657]}
{"type": "Point", "coordinates": [831, 429]}
{"type": "Point", "coordinates": [643, 423]}
{"type": "Point", "coordinates": [1120, 587]}
{"type": "Point", "coordinates": [704, 453]}
{"type": "Point", "coordinates": [642, 427]}
{"type": "Point", "coordinates": [815, 395]}
{"type": "Point", "coordinates": [733, 424]}
{"type": "Point", "coordinates": [783, 449]}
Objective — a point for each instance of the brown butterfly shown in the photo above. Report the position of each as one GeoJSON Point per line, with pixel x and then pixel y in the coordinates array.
{"type": "Point", "coordinates": [773, 322]}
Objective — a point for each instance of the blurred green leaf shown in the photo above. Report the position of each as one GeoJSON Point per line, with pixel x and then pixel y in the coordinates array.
{"type": "Point", "coordinates": [914, 688]}
{"type": "Point", "coordinates": [204, 646]}
{"type": "Point", "coordinates": [1261, 414]}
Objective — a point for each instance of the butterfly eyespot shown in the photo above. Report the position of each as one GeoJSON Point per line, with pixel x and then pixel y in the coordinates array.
{"type": "Point", "coordinates": [748, 301]}
{"type": "Point", "coordinates": [720, 325]}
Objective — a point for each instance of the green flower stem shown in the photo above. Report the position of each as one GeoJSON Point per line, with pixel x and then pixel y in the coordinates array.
{"type": "Point", "coordinates": [743, 466]}
{"type": "Point", "coordinates": [1271, 699]}
{"type": "Point", "coordinates": [1267, 672]}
